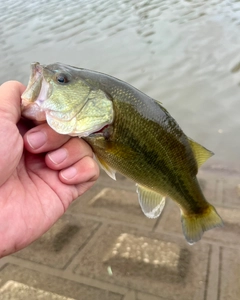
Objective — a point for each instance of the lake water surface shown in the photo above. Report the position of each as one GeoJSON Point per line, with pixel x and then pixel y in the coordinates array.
{"type": "Point", "coordinates": [184, 53]}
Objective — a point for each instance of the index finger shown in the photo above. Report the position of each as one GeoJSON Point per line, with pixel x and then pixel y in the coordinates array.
{"type": "Point", "coordinates": [10, 100]}
{"type": "Point", "coordinates": [43, 138]}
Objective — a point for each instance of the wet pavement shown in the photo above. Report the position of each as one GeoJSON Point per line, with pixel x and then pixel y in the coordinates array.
{"type": "Point", "coordinates": [185, 54]}
{"type": "Point", "coordinates": [104, 248]}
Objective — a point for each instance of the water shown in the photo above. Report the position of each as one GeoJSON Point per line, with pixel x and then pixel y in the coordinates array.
{"type": "Point", "coordinates": [184, 53]}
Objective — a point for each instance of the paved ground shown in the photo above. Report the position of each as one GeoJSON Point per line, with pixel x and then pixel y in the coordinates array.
{"type": "Point", "coordinates": [103, 248]}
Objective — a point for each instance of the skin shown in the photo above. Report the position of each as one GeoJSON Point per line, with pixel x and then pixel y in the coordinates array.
{"type": "Point", "coordinates": [41, 173]}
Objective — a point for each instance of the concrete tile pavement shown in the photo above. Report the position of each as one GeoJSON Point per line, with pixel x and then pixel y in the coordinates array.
{"type": "Point", "coordinates": [105, 248]}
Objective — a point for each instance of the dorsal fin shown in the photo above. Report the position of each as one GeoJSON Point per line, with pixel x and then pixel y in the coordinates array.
{"type": "Point", "coordinates": [201, 153]}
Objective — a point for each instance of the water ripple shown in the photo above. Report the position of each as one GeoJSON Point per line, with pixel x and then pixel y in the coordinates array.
{"type": "Point", "coordinates": [185, 53]}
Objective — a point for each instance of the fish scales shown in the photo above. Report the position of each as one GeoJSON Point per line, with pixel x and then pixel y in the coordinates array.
{"type": "Point", "coordinates": [146, 142]}
{"type": "Point", "coordinates": [147, 157]}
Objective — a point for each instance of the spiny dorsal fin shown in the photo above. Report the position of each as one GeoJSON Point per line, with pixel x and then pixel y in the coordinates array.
{"type": "Point", "coordinates": [201, 153]}
{"type": "Point", "coordinates": [151, 202]}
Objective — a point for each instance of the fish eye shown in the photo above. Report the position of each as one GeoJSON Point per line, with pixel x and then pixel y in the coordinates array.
{"type": "Point", "coordinates": [62, 78]}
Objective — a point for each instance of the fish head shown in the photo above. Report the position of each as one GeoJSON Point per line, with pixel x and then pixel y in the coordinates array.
{"type": "Point", "coordinates": [70, 104]}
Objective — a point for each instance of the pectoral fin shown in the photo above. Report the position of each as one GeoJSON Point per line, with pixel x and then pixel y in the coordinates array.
{"type": "Point", "coordinates": [110, 171]}
{"type": "Point", "coordinates": [151, 202]}
{"type": "Point", "coordinates": [201, 154]}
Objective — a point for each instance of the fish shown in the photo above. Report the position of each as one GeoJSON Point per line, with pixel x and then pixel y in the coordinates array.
{"type": "Point", "coordinates": [130, 133]}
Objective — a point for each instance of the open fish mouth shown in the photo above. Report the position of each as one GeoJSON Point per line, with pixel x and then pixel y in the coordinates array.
{"type": "Point", "coordinates": [35, 94]}
{"type": "Point", "coordinates": [34, 100]}
{"type": "Point", "coordinates": [68, 103]}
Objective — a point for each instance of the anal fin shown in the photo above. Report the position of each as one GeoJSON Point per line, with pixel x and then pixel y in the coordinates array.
{"type": "Point", "coordinates": [151, 203]}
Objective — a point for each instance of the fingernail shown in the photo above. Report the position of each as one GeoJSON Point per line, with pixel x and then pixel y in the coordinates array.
{"type": "Point", "coordinates": [36, 139]}
{"type": "Point", "coordinates": [58, 156]}
{"type": "Point", "coordinates": [69, 173]}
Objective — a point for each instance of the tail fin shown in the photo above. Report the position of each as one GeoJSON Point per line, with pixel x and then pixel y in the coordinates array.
{"type": "Point", "coordinates": [194, 225]}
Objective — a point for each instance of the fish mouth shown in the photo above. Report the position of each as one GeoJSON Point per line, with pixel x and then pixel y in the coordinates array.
{"type": "Point", "coordinates": [42, 102]}
{"type": "Point", "coordinates": [35, 94]}
{"type": "Point", "coordinates": [34, 104]}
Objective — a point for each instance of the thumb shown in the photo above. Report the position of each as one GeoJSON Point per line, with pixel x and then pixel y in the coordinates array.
{"type": "Point", "coordinates": [10, 139]}
{"type": "Point", "coordinates": [10, 100]}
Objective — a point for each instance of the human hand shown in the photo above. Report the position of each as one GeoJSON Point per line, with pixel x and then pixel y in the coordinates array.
{"type": "Point", "coordinates": [41, 173]}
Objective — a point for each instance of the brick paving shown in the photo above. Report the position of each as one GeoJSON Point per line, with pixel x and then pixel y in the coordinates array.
{"type": "Point", "coordinates": [105, 248]}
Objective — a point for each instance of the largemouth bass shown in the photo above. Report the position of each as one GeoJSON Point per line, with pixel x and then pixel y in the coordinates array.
{"type": "Point", "coordinates": [129, 132]}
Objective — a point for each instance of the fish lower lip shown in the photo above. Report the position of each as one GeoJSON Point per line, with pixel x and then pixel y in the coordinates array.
{"type": "Point", "coordinates": [34, 112]}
